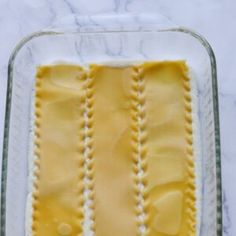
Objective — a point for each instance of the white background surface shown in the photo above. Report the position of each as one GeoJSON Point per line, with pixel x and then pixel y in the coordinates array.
{"type": "Point", "coordinates": [215, 19]}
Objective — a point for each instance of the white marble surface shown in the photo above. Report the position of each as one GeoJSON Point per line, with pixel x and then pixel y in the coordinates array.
{"type": "Point", "coordinates": [214, 19]}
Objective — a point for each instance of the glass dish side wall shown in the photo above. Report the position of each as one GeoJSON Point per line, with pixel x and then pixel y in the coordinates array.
{"type": "Point", "coordinates": [45, 47]}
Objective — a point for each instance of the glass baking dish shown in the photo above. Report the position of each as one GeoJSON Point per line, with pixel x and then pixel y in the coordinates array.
{"type": "Point", "coordinates": [84, 40]}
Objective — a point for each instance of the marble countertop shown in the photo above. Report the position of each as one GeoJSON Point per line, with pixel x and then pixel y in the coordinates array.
{"type": "Point", "coordinates": [214, 19]}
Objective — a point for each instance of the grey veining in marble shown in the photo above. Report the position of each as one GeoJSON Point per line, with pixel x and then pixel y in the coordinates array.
{"type": "Point", "coordinates": [214, 19]}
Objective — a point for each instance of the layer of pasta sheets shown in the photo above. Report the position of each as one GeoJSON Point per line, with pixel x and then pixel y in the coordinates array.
{"type": "Point", "coordinates": [113, 151]}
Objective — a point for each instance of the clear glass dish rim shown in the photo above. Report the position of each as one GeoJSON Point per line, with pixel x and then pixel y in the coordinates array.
{"type": "Point", "coordinates": [32, 36]}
